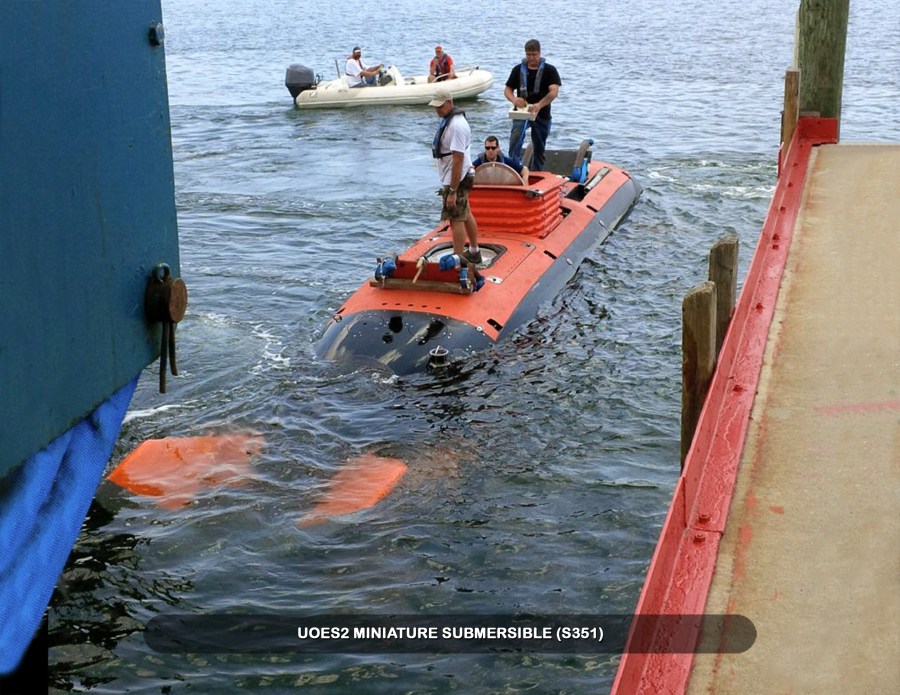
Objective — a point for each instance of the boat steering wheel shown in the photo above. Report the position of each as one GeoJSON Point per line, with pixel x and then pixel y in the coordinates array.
{"type": "Point", "coordinates": [497, 174]}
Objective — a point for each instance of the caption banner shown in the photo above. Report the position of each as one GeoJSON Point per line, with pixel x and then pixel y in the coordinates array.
{"type": "Point", "coordinates": [434, 634]}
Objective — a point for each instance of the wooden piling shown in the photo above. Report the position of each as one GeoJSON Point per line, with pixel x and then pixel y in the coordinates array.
{"type": "Point", "coordinates": [791, 112]}
{"type": "Point", "coordinates": [723, 268]}
{"type": "Point", "coordinates": [698, 356]}
{"type": "Point", "coordinates": [822, 42]}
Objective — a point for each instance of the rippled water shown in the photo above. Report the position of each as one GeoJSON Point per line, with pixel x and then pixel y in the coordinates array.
{"type": "Point", "coordinates": [539, 479]}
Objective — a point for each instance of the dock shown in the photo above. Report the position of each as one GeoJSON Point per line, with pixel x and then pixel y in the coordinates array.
{"type": "Point", "coordinates": [787, 511]}
{"type": "Point", "coordinates": [811, 550]}
{"type": "Point", "coordinates": [777, 569]}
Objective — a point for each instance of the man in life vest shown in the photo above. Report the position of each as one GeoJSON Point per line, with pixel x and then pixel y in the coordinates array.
{"type": "Point", "coordinates": [532, 84]}
{"type": "Point", "coordinates": [451, 147]}
{"type": "Point", "coordinates": [441, 66]}
{"type": "Point", "coordinates": [358, 73]}
{"type": "Point", "coordinates": [493, 153]}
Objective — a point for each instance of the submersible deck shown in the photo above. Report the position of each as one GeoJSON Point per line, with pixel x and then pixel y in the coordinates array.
{"type": "Point", "coordinates": [788, 508]}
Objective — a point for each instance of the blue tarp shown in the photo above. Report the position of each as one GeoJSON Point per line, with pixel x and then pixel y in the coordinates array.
{"type": "Point", "coordinates": [43, 503]}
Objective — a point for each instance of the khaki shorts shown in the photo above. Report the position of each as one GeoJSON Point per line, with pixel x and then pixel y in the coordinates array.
{"type": "Point", "coordinates": [460, 211]}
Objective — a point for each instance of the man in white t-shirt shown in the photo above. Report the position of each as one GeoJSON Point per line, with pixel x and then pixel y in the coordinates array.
{"type": "Point", "coordinates": [451, 147]}
{"type": "Point", "coordinates": [358, 73]}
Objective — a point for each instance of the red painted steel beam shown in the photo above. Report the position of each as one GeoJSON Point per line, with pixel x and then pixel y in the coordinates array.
{"type": "Point", "coordinates": [681, 570]}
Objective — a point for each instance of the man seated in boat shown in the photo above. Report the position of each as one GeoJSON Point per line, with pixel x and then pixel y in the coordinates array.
{"type": "Point", "coordinates": [441, 67]}
{"type": "Point", "coordinates": [492, 153]}
{"type": "Point", "coordinates": [358, 73]}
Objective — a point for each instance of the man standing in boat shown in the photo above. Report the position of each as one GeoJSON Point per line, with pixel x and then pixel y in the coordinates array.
{"type": "Point", "coordinates": [358, 74]}
{"type": "Point", "coordinates": [451, 147]}
{"type": "Point", "coordinates": [441, 66]}
{"type": "Point", "coordinates": [533, 84]}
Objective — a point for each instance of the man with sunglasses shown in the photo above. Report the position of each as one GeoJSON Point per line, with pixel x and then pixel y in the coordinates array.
{"type": "Point", "coordinates": [492, 153]}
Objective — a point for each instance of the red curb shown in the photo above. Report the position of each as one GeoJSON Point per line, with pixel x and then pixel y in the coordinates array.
{"type": "Point", "coordinates": [681, 570]}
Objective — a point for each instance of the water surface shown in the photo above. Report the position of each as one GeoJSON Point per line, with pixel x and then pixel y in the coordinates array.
{"type": "Point", "coordinates": [539, 479]}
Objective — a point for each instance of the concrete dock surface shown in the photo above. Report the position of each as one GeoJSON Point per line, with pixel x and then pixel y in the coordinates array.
{"type": "Point", "coordinates": [811, 549]}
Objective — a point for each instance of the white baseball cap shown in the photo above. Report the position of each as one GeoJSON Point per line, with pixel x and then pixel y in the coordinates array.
{"type": "Point", "coordinates": [441, 97]}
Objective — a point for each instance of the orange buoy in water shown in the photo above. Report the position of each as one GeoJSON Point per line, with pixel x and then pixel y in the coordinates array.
{"type": "Point", "coordinates": [173, 469]}
{"type": "Point", "coordinates": [360, 484]}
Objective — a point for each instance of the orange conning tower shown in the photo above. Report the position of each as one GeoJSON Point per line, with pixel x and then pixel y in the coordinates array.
{"type": "Point", "coordinates": [533, 209]}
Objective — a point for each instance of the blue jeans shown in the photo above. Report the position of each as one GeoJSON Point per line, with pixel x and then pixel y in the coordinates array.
{"type": "Point", "coordinates": [539, 132]}
{"type": "Point", "coordinates": [366, 82]}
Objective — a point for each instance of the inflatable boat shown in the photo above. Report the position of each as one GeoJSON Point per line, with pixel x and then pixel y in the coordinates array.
{"type": "Point", "coordinates": [425, 309]}
{"type": "Point", "coordinates": [393, 89]}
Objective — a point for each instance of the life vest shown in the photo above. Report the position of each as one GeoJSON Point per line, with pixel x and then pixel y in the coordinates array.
{"type": "Point", "coordinates": [523, 79]}
{"type": "Point", "coordinates": [501, 159]}
{"type": "Point", "coordinates": [436, 143]}
{"type": "Point", "coordinates": [440, 67]}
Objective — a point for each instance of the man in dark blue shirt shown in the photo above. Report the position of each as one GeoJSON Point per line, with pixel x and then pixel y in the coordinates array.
{"type": "Point", "coordinates": [492, 153]}
{"type": "Point", "coordinates": [533, 85]}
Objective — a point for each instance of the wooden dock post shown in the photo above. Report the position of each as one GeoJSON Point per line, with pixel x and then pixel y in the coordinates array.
{"type": "Point", "coordinates": [822, 42]}
{"type": "Point", "coordinates": [723, 267]}
{"type": "Point", "coordinates": [791, 112]}
{"type": "Point", "coordinates": [698, 356]}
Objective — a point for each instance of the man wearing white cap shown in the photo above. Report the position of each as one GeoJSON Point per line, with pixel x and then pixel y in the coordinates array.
{"type": "Point", "coordinates": [451, 148]}
{"type": "Point", "coordinates": [358, 74]}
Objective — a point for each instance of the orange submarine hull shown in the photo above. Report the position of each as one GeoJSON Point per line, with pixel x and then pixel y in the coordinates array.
{"type": "Point", "coordinates": [533, 236]}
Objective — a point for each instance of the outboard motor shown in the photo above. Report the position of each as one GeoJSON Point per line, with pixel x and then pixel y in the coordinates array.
{"type": "Point", "coordinates": [297, 78]}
